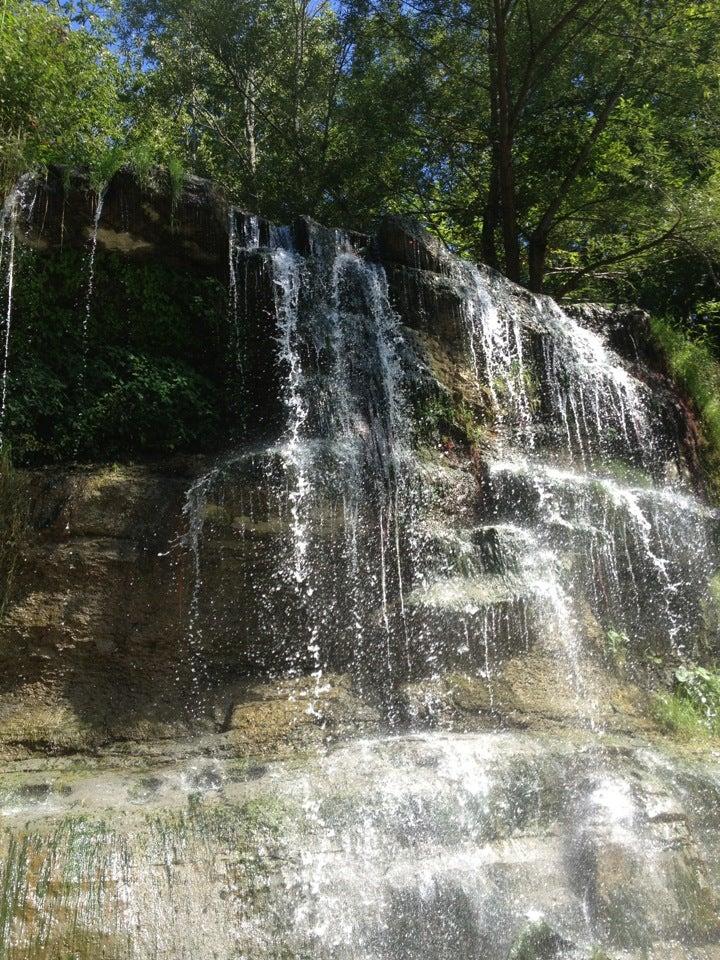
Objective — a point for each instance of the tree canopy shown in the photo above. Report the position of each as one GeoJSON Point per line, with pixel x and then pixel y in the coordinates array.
{"type": "Point", "coordinates": [572, 144]}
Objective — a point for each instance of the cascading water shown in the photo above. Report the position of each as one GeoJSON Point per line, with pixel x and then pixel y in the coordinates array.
{"type": "Point", "coordinates": [572, 423]}
{"type": "Point", "coordinates": [18, 204]}
{"type": "Point", "coordinates": [88, 299]}
{"type": "Point", "coordinates": [577, 535]}
{"type": "Point", "coordinates": [99, 201]}
{"type": "Point", "coordinates": [342, 460]}
{"type": "Point", "coordinates": [564, 546]}
{"type": "Point", "coordinates": [7, 255]}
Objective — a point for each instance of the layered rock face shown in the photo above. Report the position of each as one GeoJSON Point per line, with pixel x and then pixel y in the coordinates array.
{"type": "Point", "coordinates": [374, 682]}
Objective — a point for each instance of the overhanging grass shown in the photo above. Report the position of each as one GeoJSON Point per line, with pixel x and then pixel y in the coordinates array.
{"type": "Point", "coordinates": [697, 371]}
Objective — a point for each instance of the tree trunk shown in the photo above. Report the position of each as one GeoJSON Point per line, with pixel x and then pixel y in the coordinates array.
{"type": "Point", "coordinates": [505, 171]}
{"type": "Point", "coordinates": [540, 236]}
{"type": "Point", "coordinates": [537, 257]}
{"type": "Point", "coordinates": [491, 219]}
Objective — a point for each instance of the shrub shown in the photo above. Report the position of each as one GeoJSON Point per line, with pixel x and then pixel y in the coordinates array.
{"type": "Point", "coordinates": [157, 406]}
{"type": "Point", "coordinates": [149, 369]}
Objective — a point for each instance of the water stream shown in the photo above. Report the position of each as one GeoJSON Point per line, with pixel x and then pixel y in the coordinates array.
{"type": "Point", "coordinates": [18, 204]}
{"type": "Point", "coordinates": [580, 534]}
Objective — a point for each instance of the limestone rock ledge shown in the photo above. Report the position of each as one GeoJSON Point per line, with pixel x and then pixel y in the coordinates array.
{"type": "Point", "coordinates": [488, 845]}
{"type": "Point", "coordinates": [100, 647]}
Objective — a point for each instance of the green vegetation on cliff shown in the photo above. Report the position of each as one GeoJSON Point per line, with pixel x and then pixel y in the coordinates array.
{"type": "Point", "coordinates": [694, 366]}
{"type": "Point", "coordinates": [151, 370]}
{"type": "Point", "coordinates": [692, 709]}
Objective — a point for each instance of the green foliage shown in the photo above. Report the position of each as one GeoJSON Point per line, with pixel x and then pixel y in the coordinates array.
{"type": "Point", "coordinates": [153, 372]}
{"type": "Point", "coordinates": [344, 110]}
{"type": "Point", "coordinates": [694, 366]}
{"type": "Point", "coordinates": [13, 518]}
{"type": "Point", "coordinates": [677, 717]}
{"type": "Point", "coordinates": [701, 687]}
{"type": "Point", "coordinates": [442, 419]}
{"type": "Point", "coordinates": [59, 92]}
{"type": "Point", "coordinates": [692, 710]}
{"type": "Point", "coordinates": [149, 404]}
{"type": "Point", "coordinates": [617, 644]}
{"type": "Point", "coordinates": [67, 98]}
{"type": "Point", "coordinates": [537, 942]}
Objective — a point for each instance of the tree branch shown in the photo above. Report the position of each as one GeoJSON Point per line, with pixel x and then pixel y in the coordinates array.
{"type": "Point", "coordinates": [538, 49]}
{"type": "Point", "coordinates": [581, 159]}
{"type": "Point", "coordinates": [574, 281]}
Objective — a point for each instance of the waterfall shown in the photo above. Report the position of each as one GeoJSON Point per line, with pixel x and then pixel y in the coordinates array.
{"type": "Point", "coordinates": [346, 435]}
{"type": "Point", "coordinates": [241, 243]}
{"type": "Point", "coordinates": [566, 548]}
{"type": "Point", "coordinates": [89, 290]}
{"type": "Point", "coordinates": [587, 392]}
{"type": "Point", "coordinates": [97, 214]}
{"type": "Point", "coordinates": [7, 256]}
{"type": "Point", "coordinates": [342, 459]}
{"type": "Point", "coordinates": [570, 416]}
{"type": "Point", "coordinates": [19, 204]}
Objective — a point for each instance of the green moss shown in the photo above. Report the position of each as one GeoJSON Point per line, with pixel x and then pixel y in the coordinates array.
{"type": "Point", "coordinates": [537, 942]}
{"type": "Point", "coordinates": [518, 377]}
{"type": "Point", "coordinates": [229, 824]}
{"type": "Point", "coordinates": [706, 639]}
{"type": "Point", "coordinates": [617, 644]}
{"type": "Point", "coordinates": [219, 516]}
{"type": "Point", "coordinates": [714, 590]}
{"type": "Point", "coordinates": [628, 474]}
{"type": "Point", "coordinates": [699, 905]}
{"type": "Point", "coordinates": [697, 371]}
{"type": "Point", "coordinates": [442, 418]}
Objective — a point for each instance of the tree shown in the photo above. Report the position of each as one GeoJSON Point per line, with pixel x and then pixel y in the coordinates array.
{"type": "Point", "coordinates": [575, 106]}
{"type": "Point", "coordinates": [570, 143]}
{"type": "Point", "coordinates": [60, 92]}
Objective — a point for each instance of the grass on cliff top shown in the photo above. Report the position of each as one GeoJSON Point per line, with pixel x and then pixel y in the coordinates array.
{"type": "Point", "coordinates": [696, 369]}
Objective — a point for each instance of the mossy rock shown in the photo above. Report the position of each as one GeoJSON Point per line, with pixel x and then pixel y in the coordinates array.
{"type": "Point", "coordinates": [538, 941]}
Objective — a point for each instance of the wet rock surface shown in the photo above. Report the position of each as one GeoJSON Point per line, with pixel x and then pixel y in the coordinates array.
{"type": "Point", "coordinates": [184, 225]}
{"type": "Point", "coordinates": [493, 845]}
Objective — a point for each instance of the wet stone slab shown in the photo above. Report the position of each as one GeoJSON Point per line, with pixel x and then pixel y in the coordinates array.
{"type": "Point", "coordinates": [436, 845]}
